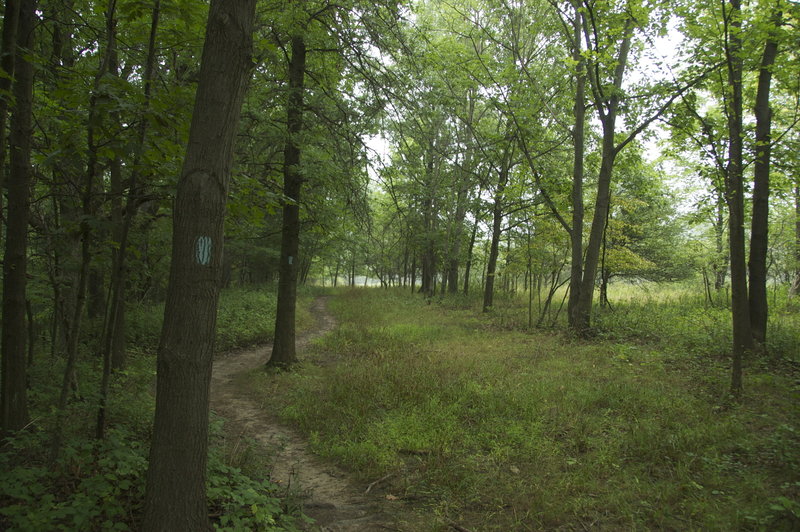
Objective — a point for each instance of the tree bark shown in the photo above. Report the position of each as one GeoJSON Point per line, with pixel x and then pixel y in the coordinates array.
{"type": "Point", "coordinates": [13, 394]}
{"type": "Point", "coordinates": [742, 334]}
{"type": "Point", "coordinates": [759, 228]}
{"type": "Point", "coordinates": [283, 346]}
{"type": "Point", "coordinates": [175, 496]}
{"type": "Point", "coordinates": [7, 60]}
{"type": "Point", "coordinates": [578, 142]}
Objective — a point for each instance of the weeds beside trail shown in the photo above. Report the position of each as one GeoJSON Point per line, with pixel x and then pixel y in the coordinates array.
{"type": "Point", "coordinates": [501, 430]}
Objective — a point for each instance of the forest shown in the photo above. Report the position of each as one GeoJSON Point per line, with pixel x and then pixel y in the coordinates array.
{"type": "Point", "coordinates": [440, 265]}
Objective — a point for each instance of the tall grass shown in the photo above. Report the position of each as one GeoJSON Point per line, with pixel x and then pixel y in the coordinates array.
{"type": "Point", "coordinates": [673, 317]}
{"type": "Point", "coordinates": [501, 429]}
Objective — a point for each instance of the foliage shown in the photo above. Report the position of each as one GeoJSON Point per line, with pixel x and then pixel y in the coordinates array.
{"type": "Point", "coordinates": [99, 484]}
{"type": "Point", "coordinates": [246, 316]}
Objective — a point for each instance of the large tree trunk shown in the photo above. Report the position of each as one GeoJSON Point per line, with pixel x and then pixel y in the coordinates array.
{"type": "Point", "coordinates": [283, 346]}
{"type": "Point", "coordinates": [7, 60]}
{"type": "Point", "coordinates": [578, 143]}
{"type": "Point", "coordinates": [13, 394]}
{"type": "Point", "coordinates": [742, 334]}
{"type": "Point", "coordinates": [175, 497]}
{"type": "Point", "coordinates": [759, 229]}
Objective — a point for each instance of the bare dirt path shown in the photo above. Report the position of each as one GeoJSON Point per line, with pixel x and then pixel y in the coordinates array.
{"type": "Point", "coordinates": [334, 501]}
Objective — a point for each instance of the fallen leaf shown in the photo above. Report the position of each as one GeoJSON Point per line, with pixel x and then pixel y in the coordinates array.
{"type": "Point", "coordinates": [390, 497]}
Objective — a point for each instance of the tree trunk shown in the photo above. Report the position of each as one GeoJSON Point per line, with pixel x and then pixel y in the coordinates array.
{"type": "Point", "coordinates": [578, 142]}
{"type": "Point", "coordinates": [123, 222]}
{"type": "Point", "coordinates": [607, 112]}
{"type": "Point", "coordinates": [720, 265]}
{"type": "Point", "coordinates": [175, 496]}
{"type": "Point", "coordinates": [494, 249]}
{"type": "Point", "coordinates": [742, 334]}
{"type": "Point", "coordinates": [468, 264]}
{"type": "Point", "coordinates": [7, 60]}
{"type": "Point", "coordinates": [759, 229]}
{"type": "Point", "coordinates": [795, 288]}
{"type": "Point", "coordinates": [112, 313]}
{"type": "Point", "coordinates": [13, 394]}
{"type": "Point", "coordinates": [283, 346]}
{"type": "Point", "coordinates": [414, 273]}
{"type": "Point", "coordinates": [91, 177]}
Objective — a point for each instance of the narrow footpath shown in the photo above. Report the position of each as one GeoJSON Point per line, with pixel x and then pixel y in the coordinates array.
{"type": "Point", "coordinates": [331, 498]}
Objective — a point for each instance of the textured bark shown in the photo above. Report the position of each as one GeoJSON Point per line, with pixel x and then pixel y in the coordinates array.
{"type": "Point", "coordinates": [742, 335]}
{"type": "Point", "coordinates": [175, 496]}
{"type": "Point", "coordinates": [13, 395]}
{"type": "Point", "coordinates": [283, 346]}
{"type": "Point", "coordinates": [578, 143]}
{"type": "Point", "coordinates": [759, 229]}
{"type": "Point", "coordinates": [7, 60]}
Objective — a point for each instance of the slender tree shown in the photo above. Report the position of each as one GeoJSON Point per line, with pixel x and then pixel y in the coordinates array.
{"type": "Point", "coordinates": [283, 346]}
{"type": "Point", "coordinates": [176, 492]}
{"type": "Point", "coordinates": [578, 143]}
{"type": "Point", "coordinates": [734, 181]}
{"type": "Point", "coordinates": [759, 228]}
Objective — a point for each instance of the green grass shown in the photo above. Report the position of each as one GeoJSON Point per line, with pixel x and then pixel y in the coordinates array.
{"type": "Point", "coordinates": [499, 429]}
{"type": "Point", "coordinates": [245, 317]}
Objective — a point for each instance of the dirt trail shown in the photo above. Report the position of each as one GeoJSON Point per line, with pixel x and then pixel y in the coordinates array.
{"type": "Point", "coordinates": [332, 499]}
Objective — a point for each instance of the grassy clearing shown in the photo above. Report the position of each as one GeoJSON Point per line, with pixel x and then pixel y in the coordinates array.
{"type": "Point", "coordinates": [674, 318]}
{"type": "Point", "coordinates": [504, 430]}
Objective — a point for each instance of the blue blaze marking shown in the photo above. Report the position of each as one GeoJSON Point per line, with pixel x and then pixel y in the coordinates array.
{"type": "Point", "coordinates": [203, 250]}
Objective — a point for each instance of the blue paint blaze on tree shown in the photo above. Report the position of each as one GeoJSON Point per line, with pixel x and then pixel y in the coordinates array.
{"type": "Point", "coordinates": [203, 250]}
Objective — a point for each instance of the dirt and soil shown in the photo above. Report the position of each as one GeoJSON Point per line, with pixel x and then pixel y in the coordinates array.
{"type": "Point", "coordinates": [330, 496]}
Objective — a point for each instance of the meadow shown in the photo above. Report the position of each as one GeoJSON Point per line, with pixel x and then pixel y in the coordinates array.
{"type": "Point", "coordinates": [489, 426]}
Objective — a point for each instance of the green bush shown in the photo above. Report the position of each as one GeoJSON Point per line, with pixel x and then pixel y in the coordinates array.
{"type": "Point", "coordinates": [245, 317]}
